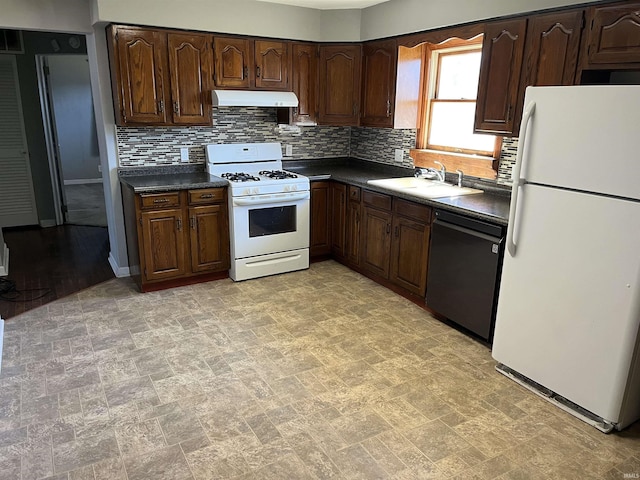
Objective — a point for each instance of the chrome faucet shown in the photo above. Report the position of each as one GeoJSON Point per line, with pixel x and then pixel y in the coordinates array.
{"type": "Point", "coordinates": [442, 174]}
{"type": "Point", "coordinates": [460, 174]}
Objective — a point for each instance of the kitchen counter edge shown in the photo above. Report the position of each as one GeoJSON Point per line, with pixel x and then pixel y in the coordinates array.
{"type": "Point", "coordinates": [491, 206]}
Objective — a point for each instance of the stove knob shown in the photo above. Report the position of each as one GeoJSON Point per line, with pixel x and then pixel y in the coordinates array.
{"type": "Point", "coordinates": [294, 188]}
{"type": "Point", "coordinates": [247, 191]}
{"type": "Point", "coordinates": [287, 188]}
{"type": "Point", "coordinates": [256, 191]}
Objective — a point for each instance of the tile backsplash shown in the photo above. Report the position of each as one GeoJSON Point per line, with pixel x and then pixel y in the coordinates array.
{"type": "Point", "coordinates": [157, 146]}
{"type": "Point", "coordinates": [379, 144]}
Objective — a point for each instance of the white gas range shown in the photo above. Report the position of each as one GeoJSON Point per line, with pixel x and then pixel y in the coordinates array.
{"type": "Point", "coordinates": [268, 209]}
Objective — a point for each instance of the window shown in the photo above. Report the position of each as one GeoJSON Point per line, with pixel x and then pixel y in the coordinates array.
{"type": "Point", "coordinates": [452, 86]}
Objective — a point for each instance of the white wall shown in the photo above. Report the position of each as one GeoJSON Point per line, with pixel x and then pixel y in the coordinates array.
{"type": "Point", "coordinates": [407, 16]}
{"type": "Point", "coordinates": [234, 16]}
{"type": "Point", "coordinates": [70, 16]}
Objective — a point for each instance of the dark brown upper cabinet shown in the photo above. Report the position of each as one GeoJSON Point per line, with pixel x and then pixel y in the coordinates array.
{"type": "Point", "coordinates": [190, 71]}
{"type": "Point", "coordinates": [613, 35]}
{"type": "Point", "coordinates": [379, 60]}
{"type": "Point", "coordinates": [233, 62]}
{"type": "Point", "coordinates": [160, 78]}
{"type": "Point", "coordinates": [502, 54]}
{"type": "Point", "coordinates": [273, 63]}
{"type": "Point", "coordinates": [339, 82]}
{"type": "Point", "coordinates": [251, 64]}
{"type": "Point", "coordinates": [304, 75]}
{"type": "Point", "coordinates": [551, 53]}
{"type": "Point", "coordinates": [391, 77]}
{"type": "Point", "coordinates": [138, 60]}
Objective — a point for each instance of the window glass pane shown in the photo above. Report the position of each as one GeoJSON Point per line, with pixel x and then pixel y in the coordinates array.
{"type": "Point", "coordinates": [452, 126]}
{"type": "Point", "coordinates": [459, 76]}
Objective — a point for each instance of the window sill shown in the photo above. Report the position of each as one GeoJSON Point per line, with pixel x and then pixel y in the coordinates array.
{"type": "Point", "coordinates": [471, 165]}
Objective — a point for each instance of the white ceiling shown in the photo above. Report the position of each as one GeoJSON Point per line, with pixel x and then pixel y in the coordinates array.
{"type": "Point", "coordinates": [328, 4]}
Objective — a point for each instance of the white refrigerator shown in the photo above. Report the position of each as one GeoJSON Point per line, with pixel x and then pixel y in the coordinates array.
{"type": "Point", "coordinates": [568, 313]}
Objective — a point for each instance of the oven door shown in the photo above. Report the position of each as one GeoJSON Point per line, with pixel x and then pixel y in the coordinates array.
{"type": "Point", "coordinates": [263, 224]}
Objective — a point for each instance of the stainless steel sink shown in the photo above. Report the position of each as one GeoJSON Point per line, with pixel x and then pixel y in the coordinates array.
{"type": "Point", "coordinates": [423, 188]}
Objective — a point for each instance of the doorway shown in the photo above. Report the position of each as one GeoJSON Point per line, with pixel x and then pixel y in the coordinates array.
{"type": "Point", "coordinates": [67, 108]}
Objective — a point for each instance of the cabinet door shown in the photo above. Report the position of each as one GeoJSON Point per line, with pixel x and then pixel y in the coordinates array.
{"type": "Point", "coordinates": [338, 213]}
{"type": "Point", "coordinates": [376, 241]}
{"type": "Point", "coordinates": [233, 62]}
{"type": "Point", "coordinates": [352, 245]}
{"type": "Point", "coordinates": [304, 76]}
{"type": "Point", "coordinates": [614, 36]}
{"type": "Point", "coordinates": [190, 68]}
{"type": "Point", "coordinates": [502, 52]}
{"type": "Point", "coordinates": [320, 241]}
{"type": "Point", "coordinates": [551, 53]}
{"type": "Point", "coordinates": [141, 65]}
{"type": "Point", "coordinates": [163, 244]}
{"type": "Point", "coordinates": [273, 62]}
{"type": "Point", "coordinates": [409, 254]}
{"type": "Point", "coordinates": [339, 84]}
{"type": "Point", "coordinates": [209, 234]}
{"type": "Point", "coordinates": [379, 62]}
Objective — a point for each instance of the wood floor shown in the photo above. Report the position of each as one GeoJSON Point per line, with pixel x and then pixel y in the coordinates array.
{"type": "Point", "coordinates": [52, 263]}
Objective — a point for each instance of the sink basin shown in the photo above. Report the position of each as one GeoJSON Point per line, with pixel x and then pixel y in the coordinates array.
{"type": "Point", "coordinates": [423, 188]}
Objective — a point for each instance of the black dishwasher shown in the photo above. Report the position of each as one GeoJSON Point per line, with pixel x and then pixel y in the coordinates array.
{"type": "Point", "coordinates": [465, 260]}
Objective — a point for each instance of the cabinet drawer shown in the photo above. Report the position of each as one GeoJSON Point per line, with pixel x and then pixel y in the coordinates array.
{"type": "Point", "coordinates": [159, 200]}
{"type": "Point", "coordinates": [378, 200]}
{"type": "Point", "coordinates": [206, 195]}
{"type": "Point", "coordinates": [354, 193]}
{"type": "Point", "coordinates": [413, 210]}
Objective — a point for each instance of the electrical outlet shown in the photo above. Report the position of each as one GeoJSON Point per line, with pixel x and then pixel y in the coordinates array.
{"type": "Point", "coordinates": [288, 150]}
{"type": "Point", "coordinates": [399, 155]}
{"type": "Point", "coordinates": [184, 154]}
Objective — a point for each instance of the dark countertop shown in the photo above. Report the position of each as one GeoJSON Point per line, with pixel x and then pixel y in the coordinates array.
{"type": "Point", "coordinates": [163, 179]}
{"type": "Point", "coordinates": [492, 205]}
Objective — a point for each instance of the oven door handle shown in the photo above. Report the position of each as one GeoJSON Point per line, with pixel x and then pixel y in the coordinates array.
{"type": "Point", "coordinates": [276, 198]}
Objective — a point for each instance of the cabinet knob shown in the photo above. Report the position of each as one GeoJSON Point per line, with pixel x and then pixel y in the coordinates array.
{"type": "Point", "coordinates": [388, 108]}
{"type": "Point", "coordinates": [245, 71]}
{"type": "Point", "coordinates": [257, 71]}
{"type": "Point", "coordinates": [179, 224]}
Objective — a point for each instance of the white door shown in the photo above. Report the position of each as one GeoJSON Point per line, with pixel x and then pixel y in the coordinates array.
{"type": "Point", "coordinates": [17, 199]}
{"type": "Point", "coordinates": [568, 309]}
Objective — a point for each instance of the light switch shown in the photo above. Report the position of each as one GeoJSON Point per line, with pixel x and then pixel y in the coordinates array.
{"type": "Point", "coordinates": [288, 150]}
{"type": "Point", "coordinates": [399, 155]}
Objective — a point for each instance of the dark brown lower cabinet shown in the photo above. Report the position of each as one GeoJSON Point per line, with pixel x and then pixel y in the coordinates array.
{"type": "Point", "coordinates": [376, 241]}
{"type": "Point", "coordinates": [176, 238]}
{"type": "Point", "coordinates": [410, 246]}
{"type": "Point", "coordinates": [394, 242]}
{"type": "Point", "coordinates": [320, 231]}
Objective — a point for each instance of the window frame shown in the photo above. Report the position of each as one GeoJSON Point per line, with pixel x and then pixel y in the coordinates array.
{"type": "Point", "coordinates": [432, 62]}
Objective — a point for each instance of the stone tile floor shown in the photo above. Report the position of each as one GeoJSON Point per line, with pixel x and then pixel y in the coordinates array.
{"type": "Point", "coordinates": [313, 374]}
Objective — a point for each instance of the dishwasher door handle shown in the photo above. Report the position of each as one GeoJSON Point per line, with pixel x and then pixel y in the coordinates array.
{"type": "Point", "coordinates": [469, 231]}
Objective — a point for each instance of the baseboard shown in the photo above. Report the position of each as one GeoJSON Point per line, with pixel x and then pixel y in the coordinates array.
{"type": "Point", "coordinates": [82, 181]}
{"type": "Point", "coordinates": [48, 223]}
{"type": "Point", "coordinates": [4, 261]}
{"type": "Point", "coordinates": [118, 270]}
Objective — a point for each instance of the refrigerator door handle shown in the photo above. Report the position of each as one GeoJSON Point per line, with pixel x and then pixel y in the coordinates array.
{"type": "Point", "coordinates": [517, 181]}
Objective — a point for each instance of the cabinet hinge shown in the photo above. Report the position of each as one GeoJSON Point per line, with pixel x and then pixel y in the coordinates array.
{"type": "Point", "coordinates": [65, 209]}
{"type": "Point", "coordinates": [145, 272]}
{"type": "Point", "coordinates": [140, 220]}
{"type": "Point", "coordinates": [45, 69]}
{"type": "Point", "coordinates": [584, 22]}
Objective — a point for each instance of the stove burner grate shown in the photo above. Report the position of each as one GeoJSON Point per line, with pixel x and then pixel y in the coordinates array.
{"type": "Point", "coordinates": [240, 177]}
{"type": "Point", "coordinates": [277, 174]}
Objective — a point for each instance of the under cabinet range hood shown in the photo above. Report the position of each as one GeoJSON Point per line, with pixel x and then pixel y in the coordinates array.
{"type": "Point", "coordinates": [252, 98]}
